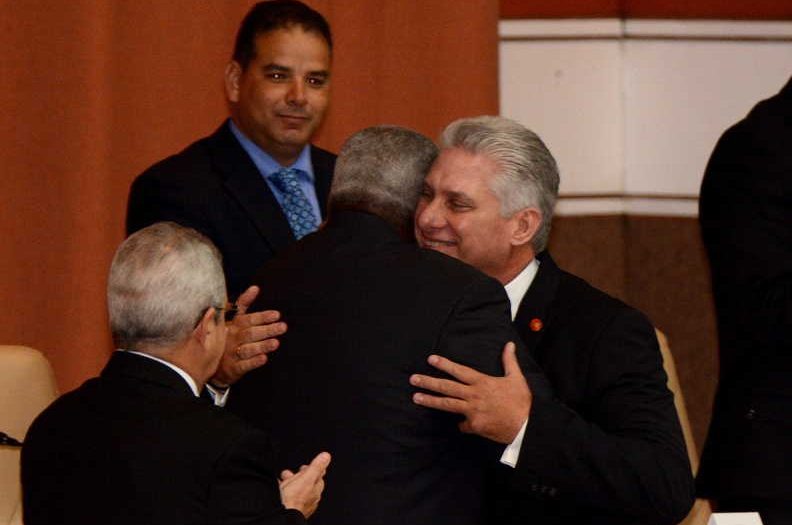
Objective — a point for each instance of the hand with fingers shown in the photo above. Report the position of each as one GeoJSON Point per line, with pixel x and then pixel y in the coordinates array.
{"type": "Point", "coordinates": [494, 407]}
{"type": "Point", "coordinates": [303, 490]}
{"type": "Point", "coordinates": [250, 338]}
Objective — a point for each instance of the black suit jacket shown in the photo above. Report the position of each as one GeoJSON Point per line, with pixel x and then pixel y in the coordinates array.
{"type": "Point", "coordinates": [214, 187]}
{"type": "Point", "coordinates": [746, 224]}
{"type": "Point", "coordinates": [609, 449]}
{"type": "Point", "coordinates": [365, 309]}
{"type": "Point", "coordinates": [135, 446]}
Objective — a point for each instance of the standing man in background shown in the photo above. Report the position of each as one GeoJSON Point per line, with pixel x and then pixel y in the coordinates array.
{"type": "Point", "coordinates": [746, 224]}
{"type": "Point", "coordinates": [256, 184]}
{"type": "Point", "coordinates": [608, 449]}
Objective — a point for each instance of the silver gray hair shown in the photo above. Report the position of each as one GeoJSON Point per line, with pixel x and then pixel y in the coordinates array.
{"type": "Point", "coordinates": [528, 176]}
{"type": "Point", "coordinates": [380, 170]}
{"type": "Point", "coordinates": [162, 280]}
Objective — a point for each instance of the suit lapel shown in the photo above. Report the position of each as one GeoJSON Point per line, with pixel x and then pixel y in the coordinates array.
{"type": "Point", "coordinates": [245, 184]}
{"type": "Point", "coordinates": [323, 165]}
{"type": "Point", "coordinates": [534, 314]}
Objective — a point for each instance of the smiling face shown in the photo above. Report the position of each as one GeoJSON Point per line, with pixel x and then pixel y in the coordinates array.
{"type": "Point", "coordinates": [280, 99]}
{"type": "Point", "coordinates": [458, 214]}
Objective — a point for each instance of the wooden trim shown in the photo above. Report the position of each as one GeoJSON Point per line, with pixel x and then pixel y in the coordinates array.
{"type": "Point", "coordinates": [559, 9]}
{"type": "Point", "coordinates": [691, 9]}
{"type": "Point", "coordinates": [651, 196]}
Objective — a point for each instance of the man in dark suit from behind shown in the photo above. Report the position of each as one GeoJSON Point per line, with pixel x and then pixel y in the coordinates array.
{"type": "Point", "coordinates": [746, 225]}
{"type": "Point", "coordinates": [608, 449]}
{"type": "Point", "coordinates": [138, 445]}
{"type": "Point", "coordinates": [256, 184]}
{"type": "Point", "coordinates": [365, 307]}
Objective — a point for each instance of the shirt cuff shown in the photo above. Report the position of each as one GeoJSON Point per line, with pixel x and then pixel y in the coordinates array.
{"type": "Point", "coordinates": [219, 396]}
{"type": "Point", "coordinates": [512, 452]}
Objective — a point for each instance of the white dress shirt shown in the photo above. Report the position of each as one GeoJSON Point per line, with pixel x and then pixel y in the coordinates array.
{"type": "Point", "coordinates": [516, 289]}
{"type": "Point", "coordinates": [184, 375]}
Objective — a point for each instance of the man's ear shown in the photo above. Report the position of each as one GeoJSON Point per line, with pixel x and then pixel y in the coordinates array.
{"type": "Point", "coordinates": [232, 76]}
{"type": "Point", "coordinates": [205, 326]}
{"type": "Point", "coordinates": [527, 222]}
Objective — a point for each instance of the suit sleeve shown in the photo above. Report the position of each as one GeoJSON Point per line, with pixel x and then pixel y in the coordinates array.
{"type": "Point", "coordinates": [245, 489]}
{"type": "Point", "coordinates": [153, 198]}
{"type": "Point", "coordinates": [627, 456]}
{"type": "Point", "coordinates": [478, 329]}
{"type": "Point", "coordinates": [746, 223]}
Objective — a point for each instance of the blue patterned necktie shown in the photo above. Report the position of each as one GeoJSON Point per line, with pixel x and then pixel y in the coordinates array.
{"type": "Point", "coordinates": [295, 204]}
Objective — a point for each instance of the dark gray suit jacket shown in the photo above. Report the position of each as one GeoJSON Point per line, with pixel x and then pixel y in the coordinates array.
{"type": "Point", "coordinates": [135, 446]}
{"type": "Point", "coordinates": [746, 225]}
{"type": "Point", "coordinates": [214, 187]}
{"type": "Point", "coordinates": [609, 448]}
{"type": "Point", "coordinates": [365, 309]}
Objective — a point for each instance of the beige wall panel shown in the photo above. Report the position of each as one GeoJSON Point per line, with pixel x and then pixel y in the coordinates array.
{"type": "Point", "coordinates": [569, 93]}
{"type": "Point", "coordinates": [680, 95]}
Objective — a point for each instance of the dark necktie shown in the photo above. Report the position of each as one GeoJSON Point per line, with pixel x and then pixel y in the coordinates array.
{"type": "Point", "coordinates": [295, 204]}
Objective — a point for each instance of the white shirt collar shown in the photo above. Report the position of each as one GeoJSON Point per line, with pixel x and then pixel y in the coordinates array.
{"type": "Point", "coordinates": [187, 378]}
{"type": "Point", "coordinates": [517, 287]}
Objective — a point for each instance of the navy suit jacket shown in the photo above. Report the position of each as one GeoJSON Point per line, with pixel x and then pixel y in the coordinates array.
{"type": "Point", "coordinates": [608, 449]}
{"type": "Point", "coordinates": [136, 446]}
{"type": "Point", "coordinates": [214, 187]}
{"type": "Point", "coordinates": [365, 309]}
{"type": "Point", "coordinates": [746, 225]}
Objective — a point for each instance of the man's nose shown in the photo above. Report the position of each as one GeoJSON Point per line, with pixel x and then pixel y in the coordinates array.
{"type": "Point", "coordinates": [296, 93]}
{"type": "Point", "coordinates": [429, 215]}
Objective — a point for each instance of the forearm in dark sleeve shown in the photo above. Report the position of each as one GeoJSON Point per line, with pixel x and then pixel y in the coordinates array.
{"type": "Point", "coordinates": [245, 488]}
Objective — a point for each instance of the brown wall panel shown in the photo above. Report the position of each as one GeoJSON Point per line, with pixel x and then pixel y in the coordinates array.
{"type": "Point", "coordinates": [668, 278]}
{"type": "Point", "coordinates": [710, 9]}
{"type": "Point", "coordinates": [592, 248]}
{"type": "Point", "coordinates": [559, 8]}
{"type": "Point", "coordinates": [656, 264]}
{"type": "Point", "coordinates": [717, 9]}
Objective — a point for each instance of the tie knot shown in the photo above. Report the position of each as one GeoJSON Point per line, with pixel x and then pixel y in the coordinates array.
{"type": "Point", "coordinates": [294, 203]}
{"type": "Point", "coordinates": [285, 179]}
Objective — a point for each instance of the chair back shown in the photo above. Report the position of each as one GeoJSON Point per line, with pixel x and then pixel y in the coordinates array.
{"type": "Point", "coordinates": [700, 513]}
{"type": "Point", "coordinates": [27, 386]}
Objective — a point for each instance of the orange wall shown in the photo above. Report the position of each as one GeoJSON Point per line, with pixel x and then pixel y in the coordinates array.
{"type": "Point", "coordinates": [91, 93]}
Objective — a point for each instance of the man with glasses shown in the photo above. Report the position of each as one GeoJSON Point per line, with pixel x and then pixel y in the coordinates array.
{"type": "Point", "coordinates": [138, 444]}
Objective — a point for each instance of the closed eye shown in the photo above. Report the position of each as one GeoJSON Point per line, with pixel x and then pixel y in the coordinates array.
{"type": "Point", "coordinates": [460, 205]}
{"type": "Point", "coordinates": [426, 192]}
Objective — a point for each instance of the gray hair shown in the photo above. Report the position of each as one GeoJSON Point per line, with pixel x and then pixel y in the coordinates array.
{"type": "Point", "coordinates": [380, 170]}
{"type": "Point", "coordinates": [528, 175]}
{"type": "Point", "coordinates": [162, 280]}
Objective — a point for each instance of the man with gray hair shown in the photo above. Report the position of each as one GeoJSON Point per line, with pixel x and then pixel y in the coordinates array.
{"type": "Point", "coordinates": [608, 449]}
{"type": "Point", "coordinates": [365, 307]}
{"type": "Point", "coordinates": [138, 444]}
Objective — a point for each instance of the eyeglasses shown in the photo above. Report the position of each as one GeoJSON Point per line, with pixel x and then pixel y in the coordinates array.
{"type": "Point", "coordinates": [229, 311]}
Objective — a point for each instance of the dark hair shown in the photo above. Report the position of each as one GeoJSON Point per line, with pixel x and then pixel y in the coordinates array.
{"type": "Point", "coordinates": [265, 17]}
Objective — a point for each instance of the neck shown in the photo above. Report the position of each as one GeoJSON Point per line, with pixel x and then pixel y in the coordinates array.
{"type": "Point", "coordinates": [182, 356]}
{"type": "Point", "coordinates": [285, 155]}
{"type": "Point", "coordinates": [517, 262]}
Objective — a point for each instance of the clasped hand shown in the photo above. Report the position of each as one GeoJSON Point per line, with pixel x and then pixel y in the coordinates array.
{"type": "Point", "coordinates": [494, 407]}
